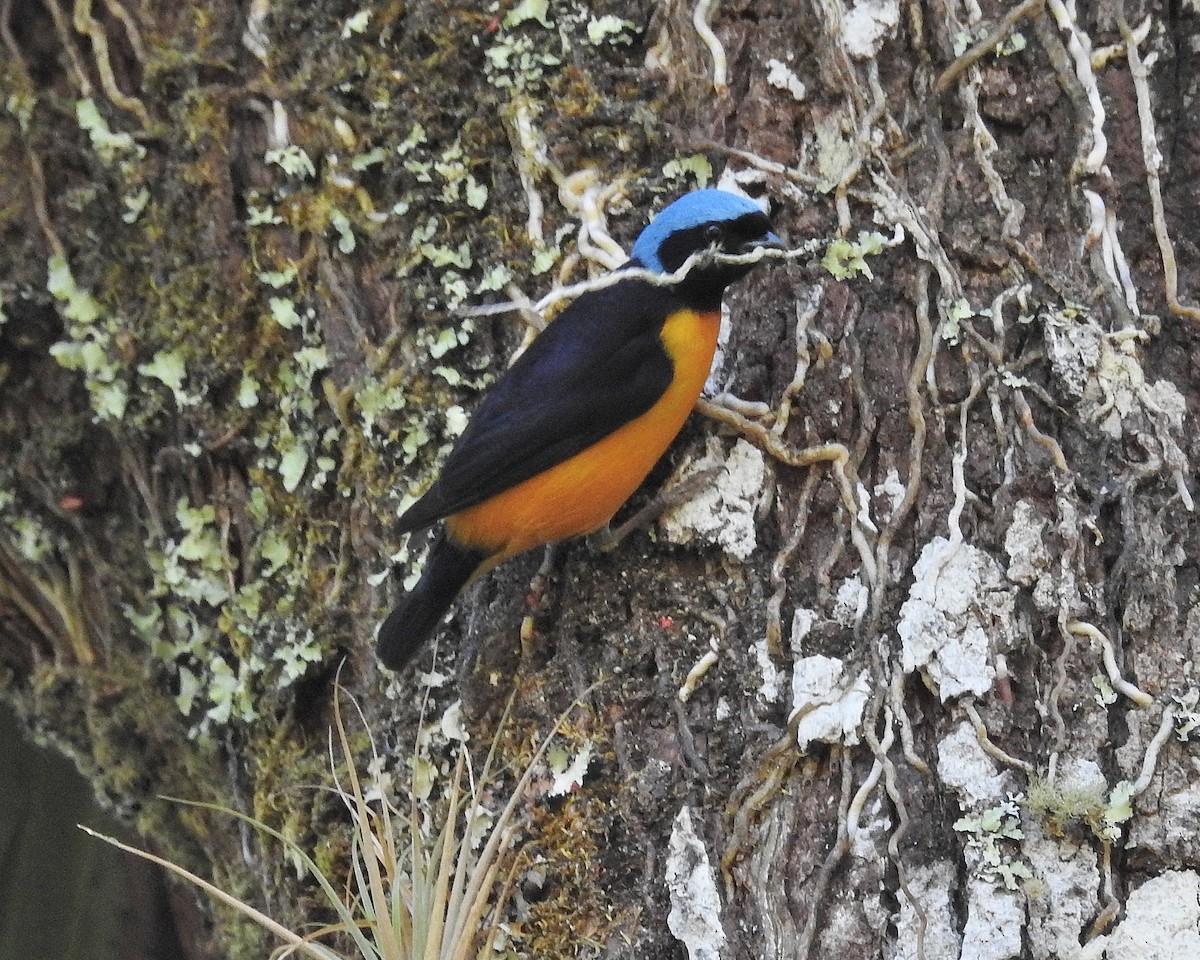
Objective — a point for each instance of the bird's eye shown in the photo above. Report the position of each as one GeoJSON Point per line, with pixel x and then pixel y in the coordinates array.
{"type": "Point", "coordinates": [713, 233]}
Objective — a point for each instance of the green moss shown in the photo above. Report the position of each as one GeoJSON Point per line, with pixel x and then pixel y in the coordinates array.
{"type": "Point", "coordinates": [229, 334]}
{"type": "Point", "coordinates": [1091, 806]}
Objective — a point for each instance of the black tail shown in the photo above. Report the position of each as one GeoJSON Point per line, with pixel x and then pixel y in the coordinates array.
{"type": "Point", "coordinates": [418, 615]}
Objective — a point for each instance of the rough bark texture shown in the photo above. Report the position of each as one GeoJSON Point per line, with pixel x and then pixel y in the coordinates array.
{"type": "Point", "coordinates": [955, 508]}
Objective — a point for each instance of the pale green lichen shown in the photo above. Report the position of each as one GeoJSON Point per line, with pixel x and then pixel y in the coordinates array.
{"type": "Point", "coordinates": [293, 460]}
{"type": "Point", "coordinates": [439, 255]}
{"type": "Point", "coordinates": [295, 440]}
{"type": "Point", "coordinates": [370, 158]}
{"type": "Point", "coordinates": [273, 552]}
{"type": "Point", "coordinates": [283, 311]}
{"type": "Point", "coordinates": [278, 278]}
{"type": "Point", "coordinates": [21, 104]}
{"type": "Point", "coordinates": [376, 402]}
{"type": "Point", "coordinates": [341, 224]}
{"type": "Point", "coordinates": [189, 691]}
{"type": "Point", "coordinates": [232, 621]}
{"type": "Point", "coordinates": [456, 176]}
{"type": "Point", "coordinates": [415, 436]}
{"type": "Point", "coordinates": [325, 466]}
{"type": "Point", "coordinates": [567, 768]}
{"type": "Point", "coordinates": [78, 305]}
{"type": "Point", "coordinates": [1117, 811]}
{"type": "Point", "coordinates": [422, 170]}
{"type": "Point", "coordinates": [544, 260]}
{"type": "Point", "coordinates": [230, 692]}
{"type": "Point", "coordinates": [494, 279]}
{"type": "Point", "coordinates": [476, 194]}
{"type": "Point", "coordinates": [955, 313]}
{"type": "Point", "coordinates": [24, 533]}
{"type": "Point", "coordinates": [112, 148]}
{"type": "Point", "coordinates": [528, 10]}
{"type": "Point", "coordinates": [1014, 42]}
{"type": "Point", "coordinates": [247, 392]}
{"type": "Point", "coordinates": [415, 138]}
{"type": "Point", "coordinates": [88, 349]}
{"type": "Point", "coordinates": [356, 23]}
{"type": "Point", "coordinates": [986, 835]}
{"type": "Point", "coordinates": [199, 549]}
{"type": "Point", "coordinates": [259, 214]}
{"type": "Point", "coordinates": [456, 420]}
{"type": "Point", "coordinates": [610, 29]}
{"type": "Point", "coordinates": [695, 167]}
{"type": "Point", "coordinates": [1105, 695]}
{"type": "Point", "coordinates": [292, 160]}
{"type": "Point", "coordinates": [454, 289]}
{"type": "Point", "coordinates": [135, 204]}
{"type": "Point", "coordinates": [835, 151]}
{"type": "Point", "coordinates": [297, 656]}
{"type": "Point", "coordinates": [192, 580]}
{"type": "Point", "coordinates": [170, 369]}
{"type": "Point", "coordinates": [437, 343]}
{"type": "Point", "coordinates": [515, 61]}
{"type": "Point", "coordinates": [846, 259]}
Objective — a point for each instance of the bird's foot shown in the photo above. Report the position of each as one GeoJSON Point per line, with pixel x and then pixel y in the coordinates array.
{"type": "Point", "coordinates": [607, 539]}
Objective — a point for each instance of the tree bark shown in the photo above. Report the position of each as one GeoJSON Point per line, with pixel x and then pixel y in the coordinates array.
{"type": "Point", "coordinates": [946, 555]}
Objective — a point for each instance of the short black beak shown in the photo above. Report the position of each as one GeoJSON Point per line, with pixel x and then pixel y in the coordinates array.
{"type": "Point", "coordinates": [770, 241]}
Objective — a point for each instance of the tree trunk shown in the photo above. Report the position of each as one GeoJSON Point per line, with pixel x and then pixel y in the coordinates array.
{"type": "Point", "coordinates": [946, 557]}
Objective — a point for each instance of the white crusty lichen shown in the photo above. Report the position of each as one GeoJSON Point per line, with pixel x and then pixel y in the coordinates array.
{"type": "Point", "coordinates": [1027, 555]}
{"type": "Point", "coordinates": [1030, 563]}
{"type": "Point", "coordinates": [933, 931]}
{"type": "Point", "coordinates": [995, 920]}
{"type": "Point", "coordinates": [959, 613]}
{"type": "Point", "coordinates": [769, 688]}
{"type": "Point", "coordinates": [722, 512]}
{"type": "Point", "coordinates": [867, 26]}
{"type": "Point", "coordinates": [1105, 371]}
{"type": "Point", "coordinates": [850, 603]}
{"type": "Point", "coordinates": [782, 77]}
{"type": "Point", "coordinates": [834, 700]}
{"type": "Point", "coordinates": [1161, 922]}
{"type": "Point", "coordinates": [1067, 876]}
{"type": "Point", "coordinates": [965, 768]}
{"type": "Point", "coordinates": [695, 917]}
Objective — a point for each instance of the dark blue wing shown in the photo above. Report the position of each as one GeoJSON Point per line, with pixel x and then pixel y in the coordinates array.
{"type": "Point", "coordinates": [599, 365]}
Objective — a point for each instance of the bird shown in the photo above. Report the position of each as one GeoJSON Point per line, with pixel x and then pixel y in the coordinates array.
{"type": "Point", "coordinates": [568, 433]}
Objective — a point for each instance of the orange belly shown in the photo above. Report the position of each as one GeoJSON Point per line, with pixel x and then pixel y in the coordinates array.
{"type": "Point", "coordinates": [582, 493]}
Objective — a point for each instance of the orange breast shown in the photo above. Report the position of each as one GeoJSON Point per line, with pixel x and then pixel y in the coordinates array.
{"type": "Point", "coordinates": [582, 493]}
